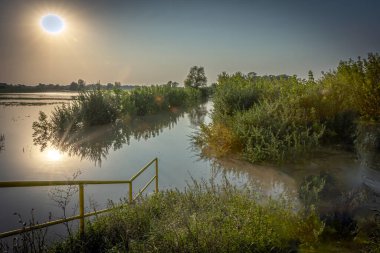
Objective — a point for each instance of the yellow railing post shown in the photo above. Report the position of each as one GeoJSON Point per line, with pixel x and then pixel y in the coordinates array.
{"type": "Point", "coordinates": [81, 209]}
{"type": "Point", "coordinates": [130, 192]}
{"type": "Point", "coordinates": [156, 174]}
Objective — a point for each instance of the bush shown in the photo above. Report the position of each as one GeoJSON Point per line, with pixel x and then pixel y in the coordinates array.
{"type": "Point", "coordinates": [355, 85]}
{"type": "Point", "coordinates": [272, 131]}
{"type": "Point", "coordinates": [234, 93]}
{"type": "Point", "coordinates": [272, 117]}
{"type": "Point", "coordinates": [266, 118]}
{"type": "Point", "coordinates": [97, 107]}
{"type": "Point", "coordinates": [220, 139]}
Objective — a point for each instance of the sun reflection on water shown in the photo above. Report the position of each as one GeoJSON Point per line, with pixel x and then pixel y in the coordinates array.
{"type": "Point", "coordinates": [53, 155]}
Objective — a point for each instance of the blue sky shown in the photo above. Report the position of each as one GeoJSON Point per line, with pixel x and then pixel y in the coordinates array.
{"type": "Point", "coordinates": [152, 42]}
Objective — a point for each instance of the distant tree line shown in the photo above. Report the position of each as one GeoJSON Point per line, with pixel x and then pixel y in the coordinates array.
{"type": "Point", "coordinates": [73, 86]}
{"type": "Point", "coordinates": [195, 79]}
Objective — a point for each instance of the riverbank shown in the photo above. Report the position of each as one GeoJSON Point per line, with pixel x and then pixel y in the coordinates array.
{"type": "Point", "coordinates": [210, 217]}
{"type": "Point", "coordinates": [204, 218]}
{"type": "Point", "coordinates": [207, 217]}
{"type": "Point", "coordinates": [284, 120]}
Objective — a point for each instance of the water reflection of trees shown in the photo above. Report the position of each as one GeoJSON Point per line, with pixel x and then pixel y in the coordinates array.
{"type": "Point", "coordinates": [321, 183]}
{"type": "Point", "coordinates": [2, 140]}
{"type": "Point", "coordinates": [197, 115]}
{"type": "Point", "coordinates": [95, 143]}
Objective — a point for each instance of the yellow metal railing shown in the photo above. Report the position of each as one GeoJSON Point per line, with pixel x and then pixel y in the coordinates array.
{"type": "Point", "coordinates": [81, 184]}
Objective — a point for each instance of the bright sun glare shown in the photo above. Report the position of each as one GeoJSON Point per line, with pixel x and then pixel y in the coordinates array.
{"type": "Point", "coordinates": [53, 155]}
{"type": "Point", "coordinates": [52, 24]}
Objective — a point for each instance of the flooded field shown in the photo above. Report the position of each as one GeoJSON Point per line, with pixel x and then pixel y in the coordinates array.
{"type": "Point", "coordinates": [118, 151]}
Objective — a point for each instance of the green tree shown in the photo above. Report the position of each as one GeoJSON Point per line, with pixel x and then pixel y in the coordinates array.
{"type": "Point", "coordinates": [311, 76]}
{"type": "Point", "coordinates": [117, 85]}
{"type": "Point", "coordinates": [81, 84]}
{"type": "Point", "coordinates": [252, 75]}
{"type": "Point", "coordinates": [361, 80]}
{"type": "Point", "coordinates": [172, 84]}
{"type": "Point", "coordinates": [109, 86]}
{"type": "Point", "coordinates": [73, 86]}
{"type": "Point", "coordinates": [196, 77]}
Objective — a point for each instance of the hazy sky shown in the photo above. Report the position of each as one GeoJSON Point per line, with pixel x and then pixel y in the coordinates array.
{"type": "Point", "coordinates": [154, 41]}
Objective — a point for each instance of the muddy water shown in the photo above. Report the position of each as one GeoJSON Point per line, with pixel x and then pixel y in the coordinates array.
{"type": "Point", "coordinates": [341, 167]}
{"type": "Point", "coordinates": [368, 149]}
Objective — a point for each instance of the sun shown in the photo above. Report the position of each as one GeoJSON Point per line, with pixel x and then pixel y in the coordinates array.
{"type": "Point", "coordinates": [52, 24]}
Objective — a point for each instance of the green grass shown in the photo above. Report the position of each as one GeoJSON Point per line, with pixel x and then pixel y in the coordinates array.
{"type": "Point", "coordinates": [210, 217]}
{"type": "Point", "coordinates": [203, 218]}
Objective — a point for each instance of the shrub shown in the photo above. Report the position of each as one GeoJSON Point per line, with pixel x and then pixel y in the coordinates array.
{"type": "Point", "coordinates": [272, 131]}
{"type": "Point", "coordinates": [266, 118]}
{"type": "Point", "coordinates": [355, 85]}
{"type": "Point", "coordinates": [272, 117]}
{"type": "Point", "coordinates": [66, 117]}
{"type": "Point", "coordinates": [97, 107]}
{"type": "Point", "coordinates": [220, 139]}
{"type": "Point", "coordinates": [234, 93]}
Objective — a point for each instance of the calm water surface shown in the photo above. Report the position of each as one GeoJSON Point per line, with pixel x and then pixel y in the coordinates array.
{"type": "Point", "coordinates": [104, 153]}
{"type": "Point", "coordinates": [118, 151]}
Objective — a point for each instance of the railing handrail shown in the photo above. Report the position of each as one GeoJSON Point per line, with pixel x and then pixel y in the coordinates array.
{"type": "Point", "coordinates": [142, 169]}
{"type": "Point", "coordinates": [7, 184]}
{"type": "Point", "coordinates": [80, 183]}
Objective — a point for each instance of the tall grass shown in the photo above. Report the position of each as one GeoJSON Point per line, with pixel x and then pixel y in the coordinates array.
{"type": "Point", "coordinates": [210, 217]}
{"type": "Point", "coordinates": [150, 100]}
{"type": "Point", "coordinates": [98, 107]}
{"type": "Point", "coordinates": [204, 218]}
{"type": "Point", "coordinates": [264, 118]}
{"type": "Point", "coordinates": [274, 117]}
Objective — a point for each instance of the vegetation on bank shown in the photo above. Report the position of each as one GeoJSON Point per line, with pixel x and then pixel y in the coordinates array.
{"type": "Point", "coordinates": [210, 217]}
{"type": "Point", "coordinates": [273, 117]}
{"type": "Point", "coordinates": [204, 218]}
{"type": "Point", "coordinates": [98, 107]}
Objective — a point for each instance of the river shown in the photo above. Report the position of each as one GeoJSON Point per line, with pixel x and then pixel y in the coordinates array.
{"type": "Point", "coordinates": [118, 151]}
